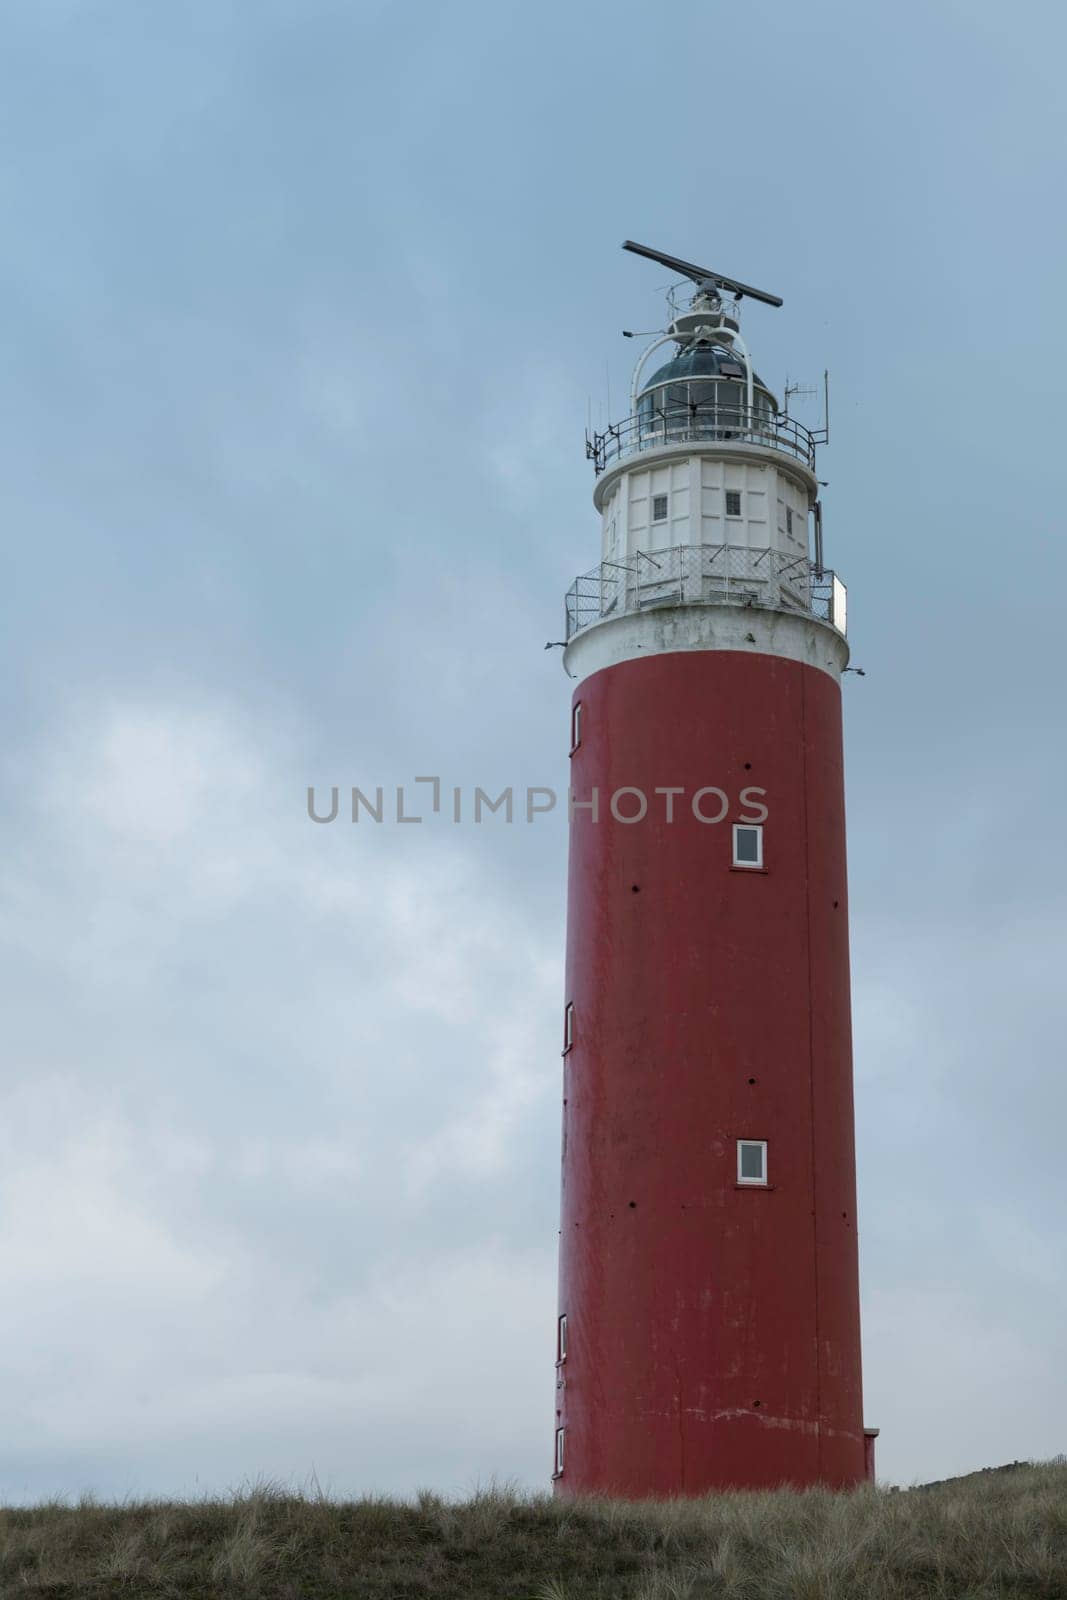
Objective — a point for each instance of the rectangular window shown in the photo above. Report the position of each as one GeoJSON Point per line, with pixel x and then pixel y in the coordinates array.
{"type": "Point", "coordinates": [561, 1339]}
{"type": "Point", "coordinates": [659, 508]}
{"type": "Point", "coordinates": [568, 1026]}
{"type": "Point", "coordinates": [748, 844]}
{"type": "Point", "coordinates": [559, 1451]}
{"type": "Point", "coordinates": [733, 502]}
{"type": "Point", "coordinates": [576, 726]}
{"type": "Point", "coordinates": [789, 520]}
{"type": "Point", "coordinates": [752, 1161]}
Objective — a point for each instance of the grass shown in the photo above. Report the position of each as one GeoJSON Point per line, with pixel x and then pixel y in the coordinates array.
{"type": "Point", "coordinates": [994, 1536]}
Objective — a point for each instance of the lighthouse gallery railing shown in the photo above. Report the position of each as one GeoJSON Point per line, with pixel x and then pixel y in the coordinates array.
{"type": "Point", "coordinates": [685, 424]}
{"type": "Point", "coordinates": [712, 574]}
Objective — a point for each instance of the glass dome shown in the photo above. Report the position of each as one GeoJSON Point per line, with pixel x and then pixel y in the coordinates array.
{"type": "Point", "coordinates": [700, 393]}
{"type": "Point", "coordinates": [702, 361]}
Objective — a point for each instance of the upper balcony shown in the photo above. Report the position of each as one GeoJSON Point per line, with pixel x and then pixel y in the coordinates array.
{"type": "Point", "coordinates": [701, 422]}
{"type": "Point", "coordinates": [717, 575]}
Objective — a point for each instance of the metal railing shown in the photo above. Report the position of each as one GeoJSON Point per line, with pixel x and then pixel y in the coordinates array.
{"type": "Point", "coordinates": [700, 424]}
{"type": "Point", "coordinates": [710, 574]}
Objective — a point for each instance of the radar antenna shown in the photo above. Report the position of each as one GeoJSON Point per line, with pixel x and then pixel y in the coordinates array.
{"type": "Point", "coordinates": [703, 277]}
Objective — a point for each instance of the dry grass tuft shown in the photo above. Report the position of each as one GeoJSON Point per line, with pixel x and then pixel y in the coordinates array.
{"type": "Point", "coordinates": [994, 1536]}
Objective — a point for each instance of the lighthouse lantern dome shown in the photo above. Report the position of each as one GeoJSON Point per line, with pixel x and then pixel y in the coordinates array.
{"type": "Point", "coordinates": [705, 382]}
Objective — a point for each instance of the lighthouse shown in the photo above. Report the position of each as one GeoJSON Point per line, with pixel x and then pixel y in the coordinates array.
{"type": "Point", "coordinates": [708, 1330]}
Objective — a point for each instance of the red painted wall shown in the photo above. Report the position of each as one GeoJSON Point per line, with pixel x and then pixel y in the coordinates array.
{"type": "Point", "coordinates": [713, 1331]}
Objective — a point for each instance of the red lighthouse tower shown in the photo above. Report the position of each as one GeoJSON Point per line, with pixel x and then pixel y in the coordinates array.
{"type": "Point", "coordinates": [708, 1333]}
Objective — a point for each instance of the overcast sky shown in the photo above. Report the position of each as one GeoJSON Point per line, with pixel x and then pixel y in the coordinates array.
{"type": "Point", "coordinates": [306, 306]}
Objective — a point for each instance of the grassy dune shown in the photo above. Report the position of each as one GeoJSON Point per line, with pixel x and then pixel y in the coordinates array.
{"type": "Point", "coordinates": [999, 1534]}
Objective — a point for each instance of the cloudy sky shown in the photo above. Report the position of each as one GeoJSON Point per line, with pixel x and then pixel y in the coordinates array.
{"type": "Point", "coordinates": [307, 303]}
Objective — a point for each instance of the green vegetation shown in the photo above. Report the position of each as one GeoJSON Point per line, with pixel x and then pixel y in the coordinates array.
{"type": "Point", "coordinates": [998, 1535]}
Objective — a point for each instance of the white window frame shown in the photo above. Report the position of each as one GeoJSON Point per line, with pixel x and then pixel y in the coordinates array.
{"type": "Point", "coordinates": [739, 513]}
{"type": "Point", "coordinates": [746, 1144]}
{"type": "Point", "coordinates": [560, 1447]}
{"type": "Point", "coordinates": [561, 1337]}
{"type": "Point", "coordinates": [666, 507]}
{"type": "Point", "coordinates": [568, 1026]}
{"type": "Point", "coordinates": [757, 829]}
{"type": "Point", "coordinates": [576, 725]}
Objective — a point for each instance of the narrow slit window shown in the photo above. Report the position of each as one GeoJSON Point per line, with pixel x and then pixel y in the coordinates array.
{"type": "Point", "coordinates": [576, 726]}
{"type": "Point", "coordinates": [561, 1339]}
{"type": "Point", "coordinates": [559, 1450]}
{"type": "Point", "coordinates": [733, 502]}
{"type": "Point", "coordinates": [752, 1161]}
{"type": "Point", "coordinates": [659, 508]}
{"type": "Point", "coordinates": [568, 1026]}
{"type": "Point", "coordinates": [748, 844]}
{"type": "Point", "coordinates": [789, 520]}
